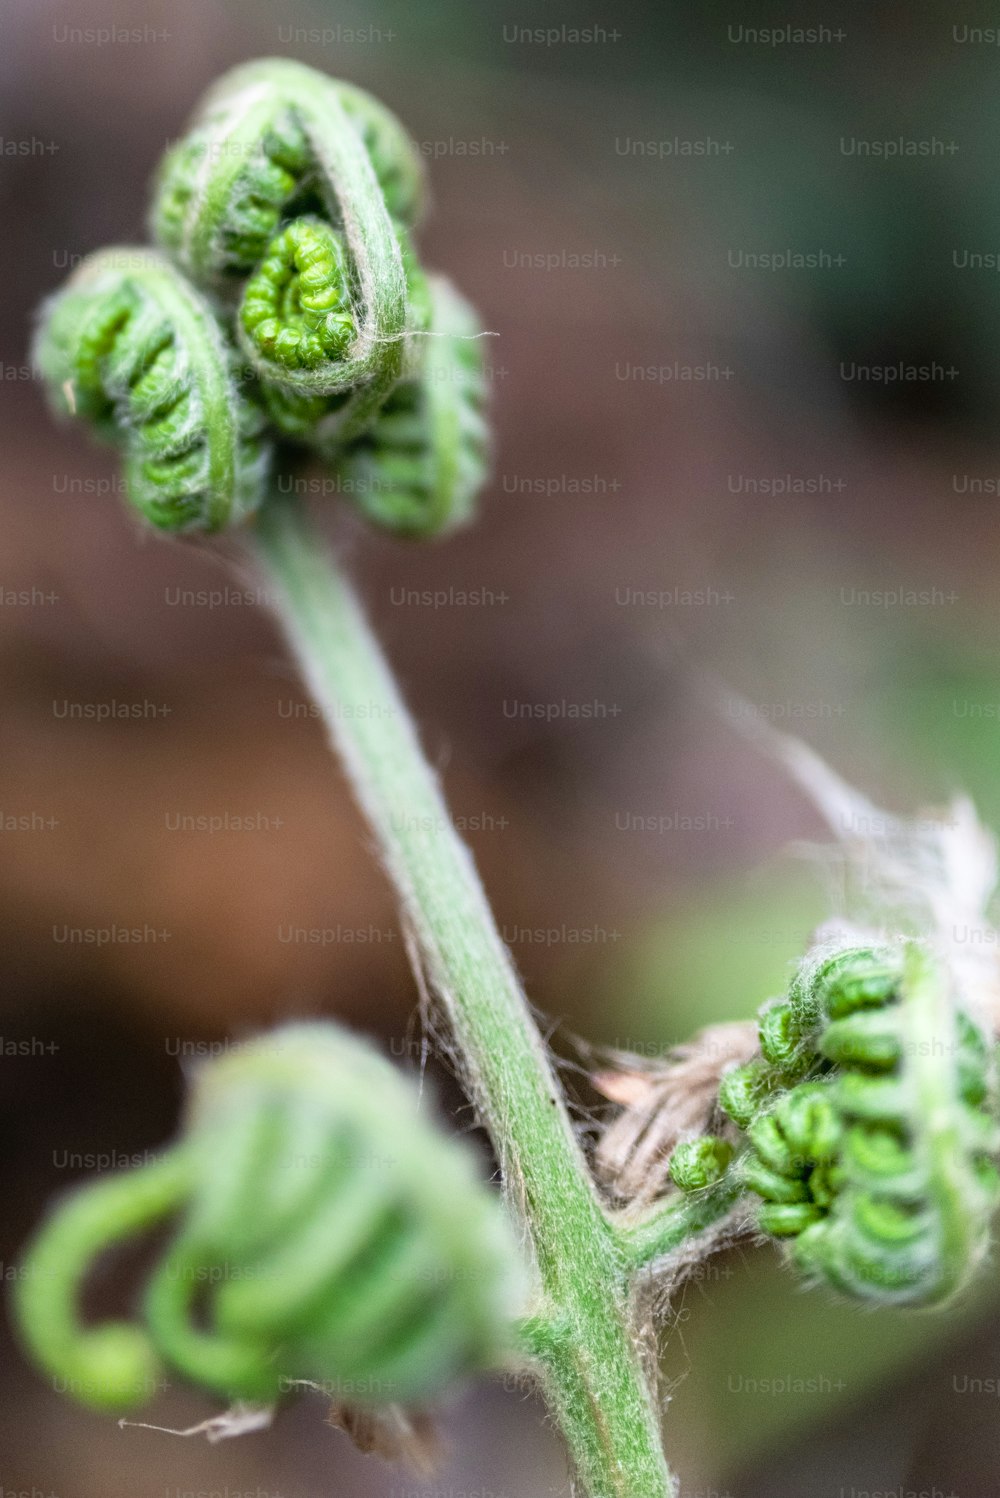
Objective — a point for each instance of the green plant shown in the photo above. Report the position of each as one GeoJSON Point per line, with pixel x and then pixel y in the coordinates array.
{"type": "Point", "coordinates": [286, 310]}
{"type": "Point", "coordinates": [871, 1127]}
{"type": "Point", "coordinates": [344, 1239]}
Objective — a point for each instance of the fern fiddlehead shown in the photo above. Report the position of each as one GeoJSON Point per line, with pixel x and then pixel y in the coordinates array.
{"type": "Point", "coordinates": [870, 1118]}
{"type": "Point", "coordinates": [296, 308]}
{"type": "Point", "coordinates": [261, 147]}
{"type": "Point", "coordinates": [288, 297]}
{"type": "Point", "coordinates": [326, 1232]}
{"type": "Point", "coordinates": [423, 461]}
{"type": "Point", "coordinates": [276, 152]}
{"type": "Point", "coordinates": [132, 348]}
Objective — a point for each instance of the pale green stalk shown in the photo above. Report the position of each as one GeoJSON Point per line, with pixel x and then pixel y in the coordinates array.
{"type": "Point", "coordinates": [673, 1223]}
{"type": "Point", "coordinates": [583, 1341]}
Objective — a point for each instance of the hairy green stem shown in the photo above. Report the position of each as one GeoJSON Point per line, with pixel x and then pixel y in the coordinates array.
{"type": "Point", "coordinates": [590, 1364]}
{"type": "Point", "coordinates": [674, 1222]}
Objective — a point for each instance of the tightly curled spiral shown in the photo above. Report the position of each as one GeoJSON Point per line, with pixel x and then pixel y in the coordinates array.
{"type": "Point", "coordinates": [283, 218]}
{"type": "Point", "coordinates": [324, 1231]}
{"type": "Point", "coordinates": [425, 457]}
{"type": "Point", "coordinates": [132, 348]}
{"type": "Point", "coordinates": [870, 1117]}
{"type": "Point", "coordinates": [296, 305]}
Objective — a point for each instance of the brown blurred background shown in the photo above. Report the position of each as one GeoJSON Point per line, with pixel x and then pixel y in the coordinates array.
{"type": "Point", "coordinates": [702, 462]}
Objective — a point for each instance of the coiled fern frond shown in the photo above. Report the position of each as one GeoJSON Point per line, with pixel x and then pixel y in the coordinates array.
{"type": "Point", "coordinates": [324, 1230]}
{"type": "Point", "coordinates": [284, 217]}
{"type": "Point", "coordinates": [419, 467]}
{"type": "Point", "coordinates": [260, 147]}
{"type": "Point", "coordinates": [870, 1123]}
{"type": "Point", "coordinates": [132, 348]}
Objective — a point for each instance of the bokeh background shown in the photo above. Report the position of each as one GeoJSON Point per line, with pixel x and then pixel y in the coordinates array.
{"type": "Point", "coordinates": [705, 463]}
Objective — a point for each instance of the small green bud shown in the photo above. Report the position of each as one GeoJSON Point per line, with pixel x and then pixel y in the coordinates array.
{"type": "Point", "coordinates": [697, 1163]}
{"type": "Point", "coordinates": [743, 1091]}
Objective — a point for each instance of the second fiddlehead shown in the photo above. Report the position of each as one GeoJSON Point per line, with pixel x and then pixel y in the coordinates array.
{"type": "Point", "coordinates": [871, 1123]}
{"type": "Point", "coordinates": [326, 1231]}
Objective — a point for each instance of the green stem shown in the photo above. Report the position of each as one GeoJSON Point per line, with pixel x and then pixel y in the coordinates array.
{"type": "Point", "coordinates": [673, 1223]}
{"type": "Point", "coordinates": [590, 1367]}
